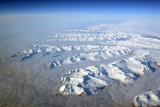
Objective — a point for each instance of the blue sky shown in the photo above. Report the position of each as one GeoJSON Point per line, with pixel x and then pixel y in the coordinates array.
{"type": "Point", "coordinates": [95, 9]}
{"type": "Point", "coordinates": [81, 6]}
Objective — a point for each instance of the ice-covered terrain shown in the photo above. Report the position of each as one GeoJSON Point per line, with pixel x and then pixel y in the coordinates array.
{"type": "Point", "coordinates": [150, 98]}
{"type": "Point", "coordinates": [92, 78]}
{"type": "Point", "coordinates": [111, 62]}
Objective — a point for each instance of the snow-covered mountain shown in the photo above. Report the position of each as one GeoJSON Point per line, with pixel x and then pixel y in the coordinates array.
{"type": "Point", "coordinates": [92, 58]}
{"type": "Point", "coordinates": [148, 99]}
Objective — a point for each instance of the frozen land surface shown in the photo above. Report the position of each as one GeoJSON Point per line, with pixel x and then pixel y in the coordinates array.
{"type": "Point", "coordinates": [97, 65]}
{"type": "Point", "coordinates": [150, 98]}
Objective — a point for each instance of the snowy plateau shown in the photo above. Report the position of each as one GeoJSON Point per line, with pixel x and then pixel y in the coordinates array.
{"type": "Point", "coordinates": [98, 56]}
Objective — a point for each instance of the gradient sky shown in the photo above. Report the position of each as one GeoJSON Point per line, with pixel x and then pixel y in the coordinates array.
{"type": "Point", "coordinates": [88, 9]}
{"type": "Point", "coordinates": [81, 6]}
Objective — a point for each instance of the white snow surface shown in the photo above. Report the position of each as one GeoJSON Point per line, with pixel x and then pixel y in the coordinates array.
{"type": "Point", "coordinates": [99, 54]}
{"type": "Point", "coordinates": [93, 78]}
{"type": "Point", "coordinates": [148, 99]}
{"type": "Point", "coordinates": [44, 62]}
